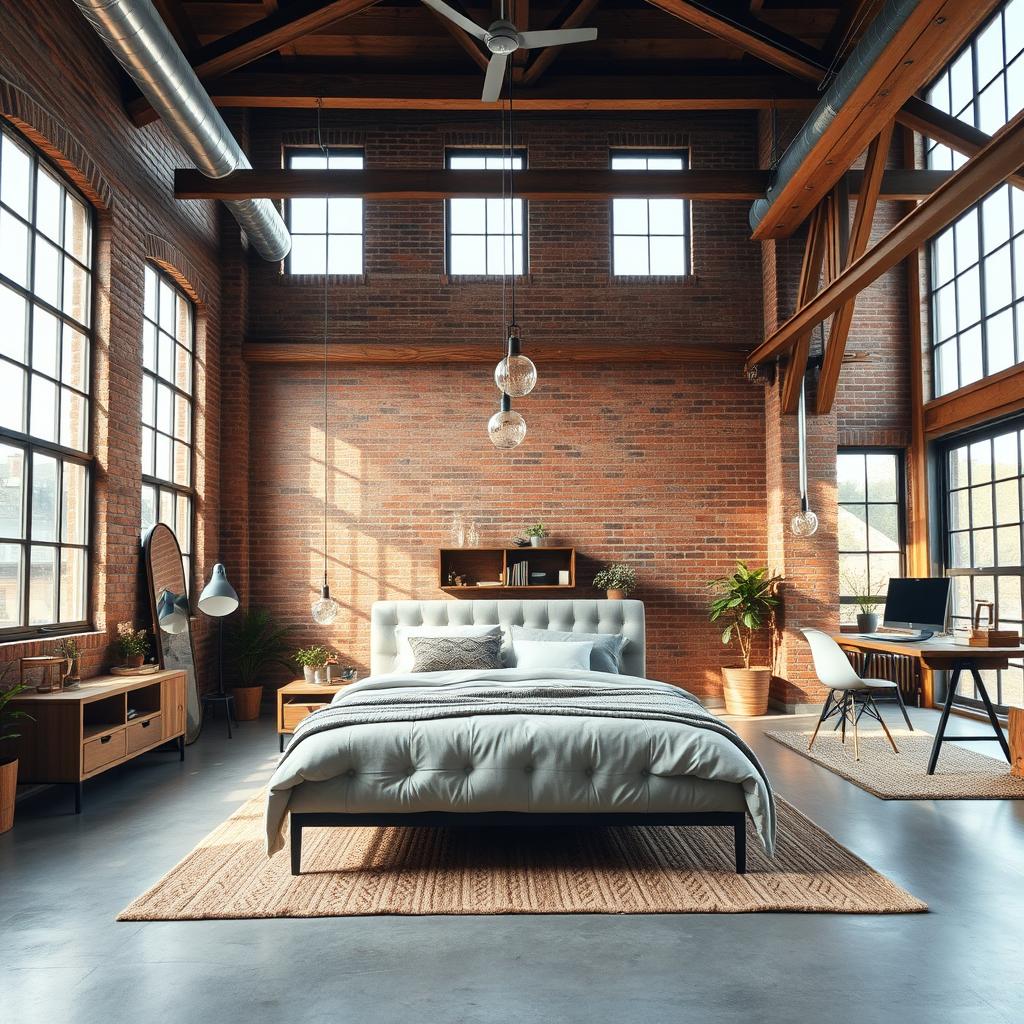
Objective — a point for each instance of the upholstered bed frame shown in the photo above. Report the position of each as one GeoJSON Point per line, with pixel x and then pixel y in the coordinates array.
{"type": "Point", "coordinates": [591, 616]}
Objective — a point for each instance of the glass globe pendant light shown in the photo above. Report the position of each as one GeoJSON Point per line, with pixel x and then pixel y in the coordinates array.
{"type": "Point", "coordinates": [805, 522]}
{"type": "Point", "coordinates": [506, 427]}
{"type": "Point", "coordinates": [515, 375]}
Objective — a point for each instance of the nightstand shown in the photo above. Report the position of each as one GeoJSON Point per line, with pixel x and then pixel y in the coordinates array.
{"type": "Point", "coordinates": [298, 699]}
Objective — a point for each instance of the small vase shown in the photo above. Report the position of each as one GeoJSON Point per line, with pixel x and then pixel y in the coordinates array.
{"type": "Point", "coordinates": [308, 674]}
{"type": "Point", "coordinates": [536, 542]}
{"type": "Point", "coordinates": [867, 622]}
{"type": "Point", "coordinates": [320, 675]}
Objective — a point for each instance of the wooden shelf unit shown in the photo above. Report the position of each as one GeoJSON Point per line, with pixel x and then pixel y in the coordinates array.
{"type": "Point", "coordinates": [490, 564]}
{"type": "Point", "coordinates": [78, 734]}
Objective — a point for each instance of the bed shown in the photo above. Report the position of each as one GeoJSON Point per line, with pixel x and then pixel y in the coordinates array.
{"type": "Point", "coordinates": [517, 745]}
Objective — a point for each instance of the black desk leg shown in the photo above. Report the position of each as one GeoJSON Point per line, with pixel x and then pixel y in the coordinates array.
{"type": "Point", "coordinates": [980, 687]}
{"type": "Point", "coordinates": [181, 747]}
{"type": "Point", "coordinates": [954, 682]}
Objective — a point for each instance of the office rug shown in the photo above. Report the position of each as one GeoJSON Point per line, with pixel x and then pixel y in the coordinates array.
{"type": "Point", "coordinates": [961, 773]}
{"type": "Point", "coordinates": [627, 870]}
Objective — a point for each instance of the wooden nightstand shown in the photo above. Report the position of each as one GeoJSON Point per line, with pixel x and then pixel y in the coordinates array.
{"type": "Point", "coordinates": [298, 699]}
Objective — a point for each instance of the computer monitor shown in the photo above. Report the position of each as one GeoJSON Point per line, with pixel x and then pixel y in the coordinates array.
{"type": "Point", "coordinates": [917, 604]}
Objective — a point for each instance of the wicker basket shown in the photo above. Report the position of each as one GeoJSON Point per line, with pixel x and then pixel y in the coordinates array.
{"type": "Point", "coordinates": [746, 690]}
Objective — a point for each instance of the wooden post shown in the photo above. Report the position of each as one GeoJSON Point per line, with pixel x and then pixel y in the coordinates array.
{"type": "Point", "coordinates": [1016, 731]}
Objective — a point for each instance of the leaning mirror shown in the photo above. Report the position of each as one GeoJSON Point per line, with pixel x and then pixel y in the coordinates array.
{"type": "Point", "coordinates": [172, 627]}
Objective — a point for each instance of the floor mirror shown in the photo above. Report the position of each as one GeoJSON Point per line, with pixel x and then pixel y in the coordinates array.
{"type": "Point", "coordinates": [172, 621]}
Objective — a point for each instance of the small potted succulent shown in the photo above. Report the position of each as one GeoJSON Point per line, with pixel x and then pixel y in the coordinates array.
{"type": "Point", "coordinates": [313, 659]}
{"type": "Point", "coordinates": [748, 600]}
{"type": "Point", "coordinates": [256, 641]}
{"type": "Point", "coordinates": [9, 761]}
{"type": "Point", "coordinates": [617, 579]}
{"type": "Point", "coordinates": [862, 592]}
{"type": "Point", "coordinates": [133, 644]}
{"type": "Point", "coordinates": [537, 534]}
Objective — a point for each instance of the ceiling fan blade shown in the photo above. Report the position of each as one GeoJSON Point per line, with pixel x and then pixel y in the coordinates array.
{"type": "Point", "coordinates": [556, 37]}
{"type": "Point", "coordinates": [495, 76]}
{"type": "Point", "coordinates": [459, 19]}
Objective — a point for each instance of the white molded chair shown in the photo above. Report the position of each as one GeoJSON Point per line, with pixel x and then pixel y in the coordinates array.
{"type": "Point", "coordinates": [849, 696]}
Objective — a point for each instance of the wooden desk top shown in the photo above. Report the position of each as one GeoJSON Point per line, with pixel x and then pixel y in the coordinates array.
{"type": "Point", "coordinates": [933, 653]}
{"type": "Point", "coordinates": [100, 686]}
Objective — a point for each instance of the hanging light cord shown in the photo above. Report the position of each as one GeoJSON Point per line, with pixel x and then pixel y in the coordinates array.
{"type": "Point", "coordinates": [324, 150]}
{"type": "Point", "coordinates": [511, 189]}
{"type": "Point", "coordinates": [504, 254]}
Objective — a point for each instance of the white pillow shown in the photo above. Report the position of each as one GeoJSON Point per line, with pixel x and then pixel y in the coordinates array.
{"type": "Point", "coordinates": [541, 654]}
{"type": "Point", "coordinates": [405, 659]}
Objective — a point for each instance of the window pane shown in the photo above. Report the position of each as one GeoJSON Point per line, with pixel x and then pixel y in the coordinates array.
{"type": "Point", "coordinates": [630, 255]}
{"type": "Point", "coordinates": [44, 497]}
{"type": "Point", "coordinates": [308, 254]}
{"type": "Point", "coordinates": [182, 464]}
{"type": "Point", "coordinates": [150, 281]}
{"type": "Point", "coordinates": [14, 318]}
{"type": "Point", "coordinates": [183, 370]}
{"type": "Point", "coordinates": [182, 418]}
{"type": "Point", "coordinates": [72, 585]}
{"type": "Point", "coordinates": [666, 216]}
{"type": "Point", "coordinates": [164, 409]}
{"type": "Point", "coordinates": [13, 248]}
{"type": "Point", "coordinates": [345, 216]}
{"type": "Point", "coordinates": [468, 254]}
{"type": "Point", "coordinates": [850, 474]}
{"type": "Point", "coordinates": [49, 210]}
{"type": "Point", "coordinates": [970, 357]}
{"type": "Point", "coordinates": [148, 507]}
{"type": "Point", "coordinates": [75, 359]}
{"type": "Point", "coordinates": [884, 531]}
{"type": "Point", "coordinates": [995, 219]}
{"type": "Point", "coordinates": [668, 255]}
{"type": "Point", "coordinates": [999, 345]}
{"type": "Point", "coordinates": [74, 510]}
{"type": "Point", "coordinates": [944, 305]}
{"type": "Point", "coordinates": [165, 355]}
{"type": "Point", "coordinates": [853, 528]}
{"type": "Point", "coordinates": [167, 307]}
{"type": "Point", "coordinates": [12, 492]}
{"type": "Point", "coordinates": [1008, 546]}
{"type": "Point", "coordinates": [946, 373]}
{"type": "Point", "coordinates": [15, 177]}
{"type": "Point", "coordinates": [42, 588]}
{"type": "Point", "coordinates": [45, 341]}
{"type": "Point", "coordinates": [998, 280]}
{"type": "Point", "coordinates": [943, 266]}
{"type": "Point", "coordinates": [882, 477]}
{"type": "Point", "coordinates": [167, 507]}
{"type": "Point", "coordinates": [148, 452]}
{"type": "Point", "coordinates": [148, 345]}
{"type": "Point", "coordinates": [77, 233]}
{"type": "Point", "coordinates": [965, 233]}
{"type": "Point", "coordinates": [11, 585]}
{"type": "Point", "coordinates": [345, 254]}
{"type": "Point", "coordinates": [308, 216]}
{"type": "Point", "coordinates": [163, 457]}
{"type": "Point", "coordinates": [968, 298]}
{"type": "Point", "coordinates": [629, 216]}
{"type": "Point", "coordinates": [74, 426]}
{"type": "Point", "coordinates": [75, 300]}
{"type": "Point", "coordinates": [183, 517]}
{"type": "Point", "coordinates": [468, 216]}
{"type": "Point", "coordinates": [43, 407]}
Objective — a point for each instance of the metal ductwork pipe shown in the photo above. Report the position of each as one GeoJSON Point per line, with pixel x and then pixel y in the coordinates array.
{"type": "Point", "coordinates": [876, 37]}
{"type": "Point", "coordinates": [136, 35]}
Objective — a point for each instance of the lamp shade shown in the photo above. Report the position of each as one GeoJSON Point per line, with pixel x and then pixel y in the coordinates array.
{"type": "Point", "coordinates": [172, 612]}
{"type": "Point", "coordinates": [218, 597]}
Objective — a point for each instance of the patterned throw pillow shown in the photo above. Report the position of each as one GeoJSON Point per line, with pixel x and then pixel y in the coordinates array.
{"type": "Point", "coordinates": [448, 653]}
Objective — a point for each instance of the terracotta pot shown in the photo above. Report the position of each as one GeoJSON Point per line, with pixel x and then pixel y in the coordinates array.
{"type": "Point", "coordinates": [615, 595]}
{"type": "Point", "coordinates": [133, 661]}
{"type": "Point", "coordinates": [8, 784]}
{"type": "Point", "coordinates": [746, 690]}
{"type": "Point", "coordinates": [247, 702]}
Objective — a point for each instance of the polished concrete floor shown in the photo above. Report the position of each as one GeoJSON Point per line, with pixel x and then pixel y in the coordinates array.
{"type": "Point", "coordinates": [64, 959]}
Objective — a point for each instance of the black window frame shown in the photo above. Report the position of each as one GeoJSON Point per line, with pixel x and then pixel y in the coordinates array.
{"type": "Point", "coordinates": [31, 445]}
{"type": "Point", "coordinates": [312, 149]}
{"type": "Point", "coordinates": [942, 450]}
{"type": "Point", "coordinates": [485, 152]}
{"type": "Point", "coordinates": [901, 508]}
{"type": "Point", "coordinates": [652, 154]}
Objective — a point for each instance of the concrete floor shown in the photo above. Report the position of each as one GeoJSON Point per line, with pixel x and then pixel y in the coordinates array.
{"type": "Point", "coordinates": [63, 879]}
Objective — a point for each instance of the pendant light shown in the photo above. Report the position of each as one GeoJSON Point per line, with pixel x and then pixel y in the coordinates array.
{"type": "Point", "coordinates": [325, 610]}
{"type": "Point", "coordinates": [515, 375]}
{"type": "Point", "coordinates": [805, 522]}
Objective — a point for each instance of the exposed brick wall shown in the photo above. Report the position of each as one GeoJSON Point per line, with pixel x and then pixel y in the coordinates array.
{"type": "Point", "coordinates": [61, 86]}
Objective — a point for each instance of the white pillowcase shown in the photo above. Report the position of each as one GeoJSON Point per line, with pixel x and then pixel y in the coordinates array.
{"type": "Point", "coordinates": [405, 659]}
{"type": "Point", "coordinates": [541, 654]}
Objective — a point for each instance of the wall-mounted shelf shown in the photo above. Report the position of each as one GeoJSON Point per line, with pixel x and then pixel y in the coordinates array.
{"type": "Point", "coordinates": [533, 569]}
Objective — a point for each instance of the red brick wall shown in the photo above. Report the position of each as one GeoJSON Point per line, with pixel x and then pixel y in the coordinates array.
{"type": "Point", "coordinates": [61, 85]}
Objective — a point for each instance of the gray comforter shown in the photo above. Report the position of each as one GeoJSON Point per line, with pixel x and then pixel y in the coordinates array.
{"type": "Point", "coordinates": [516, 740]}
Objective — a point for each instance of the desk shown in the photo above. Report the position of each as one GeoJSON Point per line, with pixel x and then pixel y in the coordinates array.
{"type": "Point", "coordinates": [947, 656]}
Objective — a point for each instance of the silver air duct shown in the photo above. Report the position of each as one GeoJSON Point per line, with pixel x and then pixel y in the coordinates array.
{"type": "Point", "coordinates": [877, 36]}
{"type": "Point", "coordinates": [137, 36]}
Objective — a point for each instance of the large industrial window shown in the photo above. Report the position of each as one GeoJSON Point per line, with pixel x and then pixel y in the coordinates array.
{"type": "Point", "coordinates": [650, 237]}
{"type": "Point", "coordinates": [46, 256]}
{"type": "Point", "coordinates": [982, 526]}
{"type": "Point", "coordinates": [168, 358]}
{"type": "Point", "coordinates": [327, 234]}
{"type": "Point", "coordinates": [871, 525]}
{"type": "Point", "coordinates": [485, 236]}
{"type": "Point", "coordinates": [977, 263]}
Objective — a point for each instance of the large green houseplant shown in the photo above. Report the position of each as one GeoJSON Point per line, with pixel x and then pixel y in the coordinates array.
{"type": "Point", "coordinates": [255, 643]}
{"type": "Point", "coordinates": [9, 716]}
{"type": "Point", "coordinates": [747, 601]}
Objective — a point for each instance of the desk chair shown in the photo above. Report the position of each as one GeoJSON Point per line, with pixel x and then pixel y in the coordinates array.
{"type": "Point", "coordinates": [849, 696]}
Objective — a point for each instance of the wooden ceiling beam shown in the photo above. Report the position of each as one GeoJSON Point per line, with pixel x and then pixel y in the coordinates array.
{"type": "Point", "coordinates": [575, 18]}
{"type": "Point", "coordinates": [468, 44]}
{"type": "Point", "coordinates": [927, 40]}
{"type": "Point", "coordinates": [561, 184]}
{"type": "Point", "coordinates": [970, 183]}
{"type": "Point", "coordinates": [752, 36]}
{"type": "Point", "coordinates": [839, 332]}
{"type": "Point", "coordinates": [562, 351]}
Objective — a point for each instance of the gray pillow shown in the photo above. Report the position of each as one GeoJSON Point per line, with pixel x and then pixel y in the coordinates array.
{"type": "Point", "coordinates": [449, 653]}
{"type": "Point", "coordinates": [606, 655]}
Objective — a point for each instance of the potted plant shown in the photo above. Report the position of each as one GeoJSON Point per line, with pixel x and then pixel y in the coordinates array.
{"type": "Point", "coordinates": [861, 590]}
{"type": "Point", "coordinates": [313, 659]}
{"type": "Point", "coordinates": [536, 533]}
{"type": "Point", "coordinates": [68, 648]}
{"type": "Point", "coordinates": [255, 642]}
{"type": "Point", "coordinates": [9, 762]}
{"type": "Point", "coordinates": [748, 599]}
{"type": "Point", "coordinates": [133, 644]}
{"type": "Point", "coordinates": [617, 579]}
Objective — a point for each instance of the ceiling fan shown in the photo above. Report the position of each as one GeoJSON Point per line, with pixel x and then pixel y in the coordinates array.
{"type": "Point", "coordinates": [502, 38]}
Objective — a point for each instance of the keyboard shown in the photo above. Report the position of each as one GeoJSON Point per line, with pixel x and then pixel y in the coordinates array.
{"type": "Point", "coordinates": [897, 638]}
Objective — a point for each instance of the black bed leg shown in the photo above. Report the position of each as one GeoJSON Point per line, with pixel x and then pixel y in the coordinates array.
{"type": "Point", "coordinates": [296, 833]}
{"type": "Point", "coordinates": [739, 831]}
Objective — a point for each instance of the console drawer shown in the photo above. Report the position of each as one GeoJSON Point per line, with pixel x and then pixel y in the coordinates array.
{"type": "Point", "coordinates": [144, 733]}
{"type": "Point", "coordinates": [294, 712]}
{"type": "Point", "coordinates": [103, 750]}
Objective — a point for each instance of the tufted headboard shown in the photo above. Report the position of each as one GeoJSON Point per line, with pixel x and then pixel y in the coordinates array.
{"type": "Point", "coordinates": [599, 616]}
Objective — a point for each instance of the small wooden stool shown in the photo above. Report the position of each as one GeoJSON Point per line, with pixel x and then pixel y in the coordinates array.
{"type": "Point", "coordinates": [1016, 731]}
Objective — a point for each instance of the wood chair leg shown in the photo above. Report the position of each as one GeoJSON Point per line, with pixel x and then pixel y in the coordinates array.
{"type": "Point", "coordinates": [822, 717]}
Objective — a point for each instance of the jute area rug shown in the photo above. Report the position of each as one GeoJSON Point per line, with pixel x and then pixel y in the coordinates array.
{"type": "Point", "coordinates": [960, 774]}
{"type": "Point", "coordinates": [646, 870]}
